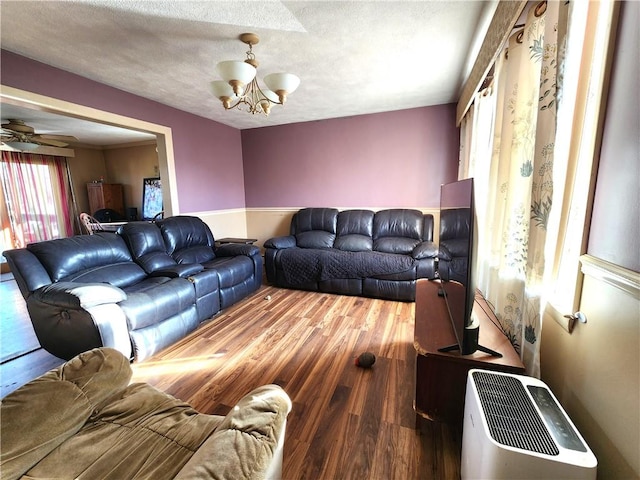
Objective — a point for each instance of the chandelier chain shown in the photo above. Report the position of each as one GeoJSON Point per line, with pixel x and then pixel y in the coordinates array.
{"type": "Point", "coordinates": [250, 54]}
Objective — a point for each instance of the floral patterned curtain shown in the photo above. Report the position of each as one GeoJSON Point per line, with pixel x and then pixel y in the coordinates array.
{"type": "Point", "coordinates": [37, 198]}
{"type": "Point", "coordinates": [513, 171]}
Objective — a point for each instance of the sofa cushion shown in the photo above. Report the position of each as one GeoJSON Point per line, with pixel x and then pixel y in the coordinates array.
{"type": "Point", "coordinates": [288, 241]}
{"type": "Point", "coordinates": [454, 223]}
{"type": "Point", "coordinates": [355, 221]}
{"type": "Point", "coordinates": [146, 284]}
{"type": "Point", "coordinates": [231, 270]}
{"type": "Point", "coordinates": [397, 230]}
{"type": "Point", "coordinates": [315, 227]}
{"type": "Point", "coordinates": [147, 307]}
{"type": "Point", "coordinates": [354, 230]}
{"type": "Point", "coordinates": [353, 243]}
{"type": "Point", "coordinates": [458, 247]}
{"type": "Point", "coordinates": [120, 275]}
{"type": "Point", "coordinates": [315, 239]}
{"type": "Point", "coordinates": [194, 254]}
{"type": "Point", "coordinates": [187, 239]}
{"type": "Point", "coordinates": [146, 245]}
{"type": "Point", "coordinates": [67, 258]}
{"type": "Point", "coordinates": [398, 222]}
{"type": "Point", "coordinates": [309, 219]}
{"type": "Point", "coordinates": [400, 245]}
{"type": "Point", "coordinates": [425, 250]}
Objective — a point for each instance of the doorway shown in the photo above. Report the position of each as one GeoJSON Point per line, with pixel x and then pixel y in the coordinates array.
{"type": "Point", "coordinates": [163, 134]}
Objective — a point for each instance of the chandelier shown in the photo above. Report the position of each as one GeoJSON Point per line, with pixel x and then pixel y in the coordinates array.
{"type": "Point", "coordinates": [239, 86]}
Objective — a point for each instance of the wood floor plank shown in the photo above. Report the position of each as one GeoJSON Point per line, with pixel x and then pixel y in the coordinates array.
{"type": "Point", "coordinates": [396, 453]}
{"type": "Point", "coordinates": [397, 408]}
{"type": "Point", "coordinates": [20, 338]}
{"type": "Point", "coordinates": [329, 438]}
{"type": "Point", "coordinates": [295, 456]}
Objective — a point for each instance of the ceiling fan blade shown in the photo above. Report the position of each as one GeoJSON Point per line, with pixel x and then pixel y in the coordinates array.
{"type": "Point", "coordinates": [61, 138]}
{"type": "Point", "coordinates": [18, 126]}
{"type": "Point", "coordinates": [45, 141]}
{"type": "Point", "coordinates": [13, 137]}
{"type": "Point", "coordinates": [18, 130]}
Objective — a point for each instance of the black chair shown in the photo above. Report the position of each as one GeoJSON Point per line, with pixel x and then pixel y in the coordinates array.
{"type": "Point", "coordinates": [107, 215]}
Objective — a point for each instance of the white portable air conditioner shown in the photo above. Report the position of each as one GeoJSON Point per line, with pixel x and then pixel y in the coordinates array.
{"type": "Point", "coordinates": [515, 428]}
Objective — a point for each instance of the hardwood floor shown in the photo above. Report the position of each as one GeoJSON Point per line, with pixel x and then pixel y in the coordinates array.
{"type": "Point", "coordinates": [18, 337]}
{"type": "Point", "coordinates": [346, 422]}
{"type": "Point", "coordinates": [21, 357]}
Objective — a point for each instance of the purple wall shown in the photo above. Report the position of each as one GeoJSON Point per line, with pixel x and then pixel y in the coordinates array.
{"type": "Point", "coordinates": [392, 159]}
{"type": "Point", "coordinates": [208, 155]}
{"type": "Point", "coordinates": [614, 235]}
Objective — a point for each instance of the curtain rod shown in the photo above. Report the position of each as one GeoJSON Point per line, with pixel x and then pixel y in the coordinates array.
{"type": "Point", "coordinates": [504, 18]}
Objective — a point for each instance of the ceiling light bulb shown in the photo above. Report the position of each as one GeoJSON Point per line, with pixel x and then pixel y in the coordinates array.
{"type": "Point", "coordinates": [266, 106]}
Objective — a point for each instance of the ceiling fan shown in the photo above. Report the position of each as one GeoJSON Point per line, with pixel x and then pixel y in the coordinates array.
{"type": "Point", "coordinates": [23, 136]}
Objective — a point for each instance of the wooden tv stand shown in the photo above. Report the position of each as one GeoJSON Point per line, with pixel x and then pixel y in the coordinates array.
{"type": "Point", "coordinates": [441, 377]}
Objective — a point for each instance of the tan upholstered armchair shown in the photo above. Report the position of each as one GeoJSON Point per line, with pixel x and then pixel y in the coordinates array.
{"type": "Point", "coordinates": [83, 420]}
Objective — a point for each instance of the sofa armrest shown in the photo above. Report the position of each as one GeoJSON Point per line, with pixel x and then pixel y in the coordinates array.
{"type": "Point", "coordinates": [71, 317]}
{"type": "Point", "coordinates": [235, 249]}
{"type": "Point", "coordinates": [455, 247]}
{"type": "Point", "coordinates": [281, 242]}
{"type": "Point", "coordinates": [444, 254]}
{"type": "Point", "coordinates": [181, 270]}
{"type": "Point", "coordinates": [84, 295]}
{"type": "Point", "coordinates": [27, 270]}
{"type": "Point", "coordinates": [425, 250]}
{"type": "Point", "coordinates": [248, 443]}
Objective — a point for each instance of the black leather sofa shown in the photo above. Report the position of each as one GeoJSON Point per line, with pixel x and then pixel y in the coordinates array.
{"type": "Point", "coordinates": [354, 252]}
{"type": "Point", "coordinates": [137, 290]}
{"type": "Point", "coordinates": [453, 254]}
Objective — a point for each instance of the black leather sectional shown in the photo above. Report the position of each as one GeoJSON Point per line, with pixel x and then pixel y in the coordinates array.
{"type": "Point", "coordinates": [354, 252]}
{"type": "Point", "coordinates": [455, 239]}
{"type": "Point", "coordinates": [138, 290]}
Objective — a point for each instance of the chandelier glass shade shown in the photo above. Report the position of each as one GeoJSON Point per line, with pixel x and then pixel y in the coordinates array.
{"type": "Point", "coordinates": [239, 86]}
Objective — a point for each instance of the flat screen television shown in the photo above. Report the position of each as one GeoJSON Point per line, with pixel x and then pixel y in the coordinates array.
{"type": "Point", "coordinates": [457, 264]}
{"type": "Point", "coordinates": [151, 197]}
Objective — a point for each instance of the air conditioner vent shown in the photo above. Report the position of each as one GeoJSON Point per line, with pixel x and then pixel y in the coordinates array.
{"type": "Point", "coordinates": [510, 414]}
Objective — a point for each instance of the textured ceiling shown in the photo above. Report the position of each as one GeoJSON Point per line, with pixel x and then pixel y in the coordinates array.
{"type": "Point", "coordinates": [87, 133]}
{"type": "Point", "coordinates": [352, 57]}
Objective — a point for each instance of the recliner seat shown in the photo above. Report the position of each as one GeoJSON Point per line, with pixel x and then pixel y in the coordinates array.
{"type": "Point", "coordinates": [238, 267]}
